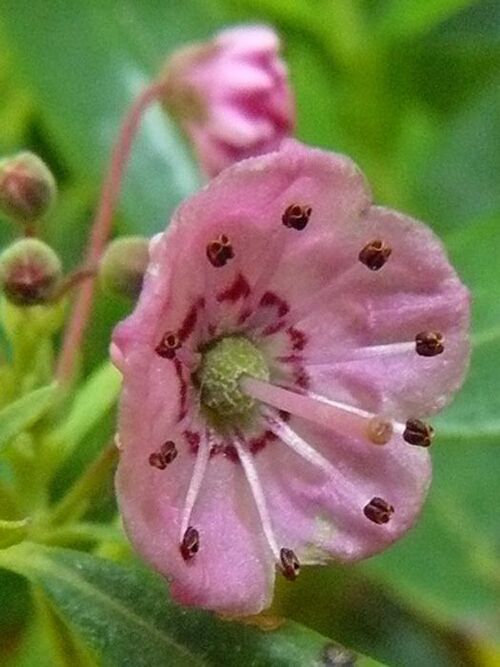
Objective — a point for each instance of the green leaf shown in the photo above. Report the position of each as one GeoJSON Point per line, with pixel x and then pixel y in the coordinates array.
{"type": "Point", "coordinates": [125, 614]}
{"type": "Point", "coordinates": [25, 412]}
{"type": "Point", "coordinates": [93, 400]}
{"type": "Point", "coordinates": [12, 532]}
{"type": "Point", "coordinates": [405, 18]}
{"type": "Point", "coordinates": [84, 80]}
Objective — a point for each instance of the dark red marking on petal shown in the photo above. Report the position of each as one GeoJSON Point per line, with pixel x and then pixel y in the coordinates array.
{"type": "Point", "coordinates": [298, 339]}
{"type": "Point", "coordinates": [244, 315]}
{"type": "Point", "coordinates": [272, 329]}
{"type": "Point", "coordinates": [239, 289]}
{"type": "Point", "coordinates": [256, 445]}
{"type": "Point", "coordinates": [290, 359]}
{"type": "Point", "coordinates": [220, 251]}
{"type": "Point", "coordinates": [231, 453]}
{"type": "Point", "coordinates": [290, 565]}
{"type": "Point", "coordinates": [156, 461]}
{"type": "Point", "coordinates": [375, 254]}
{"type": "Point", "coordinates": [378, 510]}
{"type": "Point", "coordinates": [418, 433]}
{"type": "Point", "coordinates": [168, 345]}
{"type": "Point", "coordinates": [193, 439]}
{"type": "Point", "coordinates": [270, 299]}
{"type": "Point", "coordinates": [190, 544]}
{"type": "Point", "coordinates": [189, 323]}
{"type": "Point", "coordinates": [182, 390]}
{"type": "Point", "coordinates": [429, 343]}
{"type": "Point", "coordinates": [301, 378]}
{"type": "Point", "coordinates": [296, 216]}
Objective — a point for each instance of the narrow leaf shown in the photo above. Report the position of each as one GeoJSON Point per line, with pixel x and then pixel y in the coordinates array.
{"type": "Point", "coordinates": [26, 411]}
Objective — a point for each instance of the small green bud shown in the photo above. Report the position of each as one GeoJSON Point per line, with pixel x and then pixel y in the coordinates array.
{"type": "Point", "coordinates": [27, 188]}
{"type": "Point", "coordinates": [123, 265]}
{"type": "Point", "coordinates": [29, 272]}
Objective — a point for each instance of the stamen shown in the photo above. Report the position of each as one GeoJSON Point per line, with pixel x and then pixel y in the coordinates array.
{"type": "Point", "coordinates": [379, 431]}
{"type": "Point", "coordinates": [220, 251]}
{"type": "Point", "coordinates": [378, 510]}
{"type": "Point", "coordinates": [288, 436]}
{"type": "Point", "coordinates": [375, 254]}
{"type": "Point", "coordinates": [319, 409]}
{"type": "Point", "coordinates": [258, 494]}
{"type": "Point", "coordinates": [360, 353]}
{"type": "Point", "coordinates": [200, 467]}
{"type": "Point", "coordinates": [429, 343]}
{"type": "Point", "coordinates": [190, 543]}
{"type": "Point", "coordinates": [168, 345]}
{"type": "Point", "coordinates": [290, 565]}
{"type": "Point", "coordinates": [296, 216]}
{"type": "Point", "coordinates": [418, 433]}
{"type": "Point", "coordinates": [167, 453]}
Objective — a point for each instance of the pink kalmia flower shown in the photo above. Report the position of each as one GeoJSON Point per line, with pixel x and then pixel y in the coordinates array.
{"type": "Point", "coordinates": [231, 96]}
{"type": "Point", "coordinates": [289, 340]}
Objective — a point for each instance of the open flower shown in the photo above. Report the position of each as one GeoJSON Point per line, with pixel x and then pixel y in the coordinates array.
{"type": "Point", "coordinates": [231, 96]}
{"type": "Point", "coordinates": [289, 340]}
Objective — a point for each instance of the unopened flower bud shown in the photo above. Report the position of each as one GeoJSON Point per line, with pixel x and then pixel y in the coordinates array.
{"type": "Point", "coordinates": [29, 272]}
{"type": "Point", "coordinates": [231, 96]}
{"type": "Point", "coordinates": [123, 265]}
{"type": "Point", "coordinates": [27, 188]}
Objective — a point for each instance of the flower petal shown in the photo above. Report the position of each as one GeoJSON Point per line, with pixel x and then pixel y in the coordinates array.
{"type": "Point", "coordinates": [321, 516]}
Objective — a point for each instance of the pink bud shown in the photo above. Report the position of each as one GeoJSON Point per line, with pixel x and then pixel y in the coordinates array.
{"type": "Point", "coordinates": [27, 188]}
{"type": "Point", "coordinates": [231, 96]}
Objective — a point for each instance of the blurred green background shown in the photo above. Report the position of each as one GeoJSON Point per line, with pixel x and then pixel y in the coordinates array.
{"type": "Point", "coordinates": [411, 90]}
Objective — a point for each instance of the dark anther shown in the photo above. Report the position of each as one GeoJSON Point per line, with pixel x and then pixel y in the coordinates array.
{"type": "Point", "coordinates": [378, 510]}
{"type": "Point", "coordinates": [168, 345]}
{"type": "Point", "coordinates": [429, 343]}
{"type": "Point", "coordinates": [375, 254]}
{"type": "Point", "coordinates": [190, 544]}
{"type": "Point", "coordinates": [418, 433]}
{"type": "Point", "coordinates": [296, 216]}
{"type": "Point", "coordinates": [167, 453]}
{"type": "Point", "coordinates": [220, 251]}
{"type": "Point", "coordinates": [290, 565]}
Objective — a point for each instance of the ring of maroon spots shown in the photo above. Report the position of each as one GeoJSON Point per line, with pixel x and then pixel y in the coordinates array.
{"type": "Point", "coordinates": [375, 254]}
{"type": "Point", "coordinates": [418, 433]}
{"type": "Point", "coordinates": [220, 251]}
{"type": "Point", "coordinates": [429, 343]}
{"type": "Point", "coordinates": [296, 216]}
{"type": "Point", "coordinates": [238, 289]}
{"type": "Point", "coordinates": [378, 511]}
{"type": "Point", "coordinates": [190, 544]}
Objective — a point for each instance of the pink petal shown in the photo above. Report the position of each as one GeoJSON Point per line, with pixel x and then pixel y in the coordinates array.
{"type": "Point", "coordinates": [233, 572]}
{"type": "Point", "coordinates": [321, 516]}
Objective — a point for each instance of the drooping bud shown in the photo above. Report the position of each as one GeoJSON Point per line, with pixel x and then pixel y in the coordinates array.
{"type": "Point", "coordinates": [27, 188]}
{"type": "Point", "coordinates": [123, 265]}
{"type": "Point", "coordinates": [231, 96]}
{"type": "Point", "coordinates": [29, 272]}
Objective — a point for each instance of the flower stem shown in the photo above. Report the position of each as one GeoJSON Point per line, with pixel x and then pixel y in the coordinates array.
{"type": "Point", "coordinates": [101, 229]}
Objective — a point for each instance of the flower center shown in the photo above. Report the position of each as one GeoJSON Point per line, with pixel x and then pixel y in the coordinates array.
{"type": "Point", "coordinates": [223, 363]}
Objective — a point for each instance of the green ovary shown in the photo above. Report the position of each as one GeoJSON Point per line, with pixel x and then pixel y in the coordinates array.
{"type": "Point", "coordinates": [223, 363]}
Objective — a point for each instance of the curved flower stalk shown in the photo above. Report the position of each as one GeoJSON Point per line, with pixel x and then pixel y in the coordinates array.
{"type": "Point", "coordinates": [289, 341]}
{"type": "Point", "coordinates": [231, 96]}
